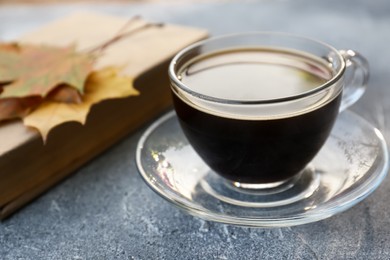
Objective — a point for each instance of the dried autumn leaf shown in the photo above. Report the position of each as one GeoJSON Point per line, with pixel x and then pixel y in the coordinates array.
{"type": "Point", "coordinates": [9, 47]}
{"type": "Point", "coordinates": [101, 85]}
{"type": "Point", "coordinates": [64, 93]}
{"type": "Point", "coordinates": [36, 70]}
{"type": "Point", "coordinates": [11, 108]}
{"type": "Point", "coordinates": [9, 54]}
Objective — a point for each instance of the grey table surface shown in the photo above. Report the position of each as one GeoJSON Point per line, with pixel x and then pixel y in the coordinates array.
{"type": "Point", "coordinates": [105, 211]}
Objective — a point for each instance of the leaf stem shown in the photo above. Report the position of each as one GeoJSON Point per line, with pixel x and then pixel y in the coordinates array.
{"type": "Point", "coordinates": [122, 34]}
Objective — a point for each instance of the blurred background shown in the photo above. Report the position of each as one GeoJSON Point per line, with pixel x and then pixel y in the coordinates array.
{"type": "Point", "coordinates": [66, 1]}
{"type": "Point", "coordinates": [93, 1]}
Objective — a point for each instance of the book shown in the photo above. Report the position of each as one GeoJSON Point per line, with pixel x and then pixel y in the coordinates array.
{"type": "Point", "coordinates": [28, 167]}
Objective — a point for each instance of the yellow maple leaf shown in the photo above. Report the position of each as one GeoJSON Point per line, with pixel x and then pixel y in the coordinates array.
{"type": "Point", "coordinates": [104, 84]}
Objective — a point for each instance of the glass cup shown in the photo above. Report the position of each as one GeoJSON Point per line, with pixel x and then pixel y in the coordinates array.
{"type": "Point", "coordinates": [258, 107]}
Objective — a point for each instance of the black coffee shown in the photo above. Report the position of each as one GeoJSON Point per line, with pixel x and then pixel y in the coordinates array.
{"type": "Point", "coordinates": [250, 149]}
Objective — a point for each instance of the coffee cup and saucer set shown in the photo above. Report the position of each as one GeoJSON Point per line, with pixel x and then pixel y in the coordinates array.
{"type": "Point", "coordinates": [261, 134]}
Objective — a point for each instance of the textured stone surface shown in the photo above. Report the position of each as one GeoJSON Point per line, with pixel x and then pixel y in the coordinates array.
{"type": "Point", "coordinates": [105, 211]}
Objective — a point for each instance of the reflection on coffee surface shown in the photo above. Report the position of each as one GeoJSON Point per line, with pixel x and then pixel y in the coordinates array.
{"type": "Point", "coordinates": [250, 149]}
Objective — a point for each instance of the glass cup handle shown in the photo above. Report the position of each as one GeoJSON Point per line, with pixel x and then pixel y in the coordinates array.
{"type": "Point", "coordinates": [355, 77]}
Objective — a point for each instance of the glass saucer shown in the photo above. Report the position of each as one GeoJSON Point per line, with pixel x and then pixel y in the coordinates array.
{"type": "Point", "coordinates": [350, 166]}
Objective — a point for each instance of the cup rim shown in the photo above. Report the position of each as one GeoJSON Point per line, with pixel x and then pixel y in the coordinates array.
{"type": "Point", "coordinates": [182, 86]}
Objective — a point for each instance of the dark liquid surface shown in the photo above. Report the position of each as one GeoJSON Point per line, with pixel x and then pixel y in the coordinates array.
{"type": "Point", "coordinates": [256, 151]}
